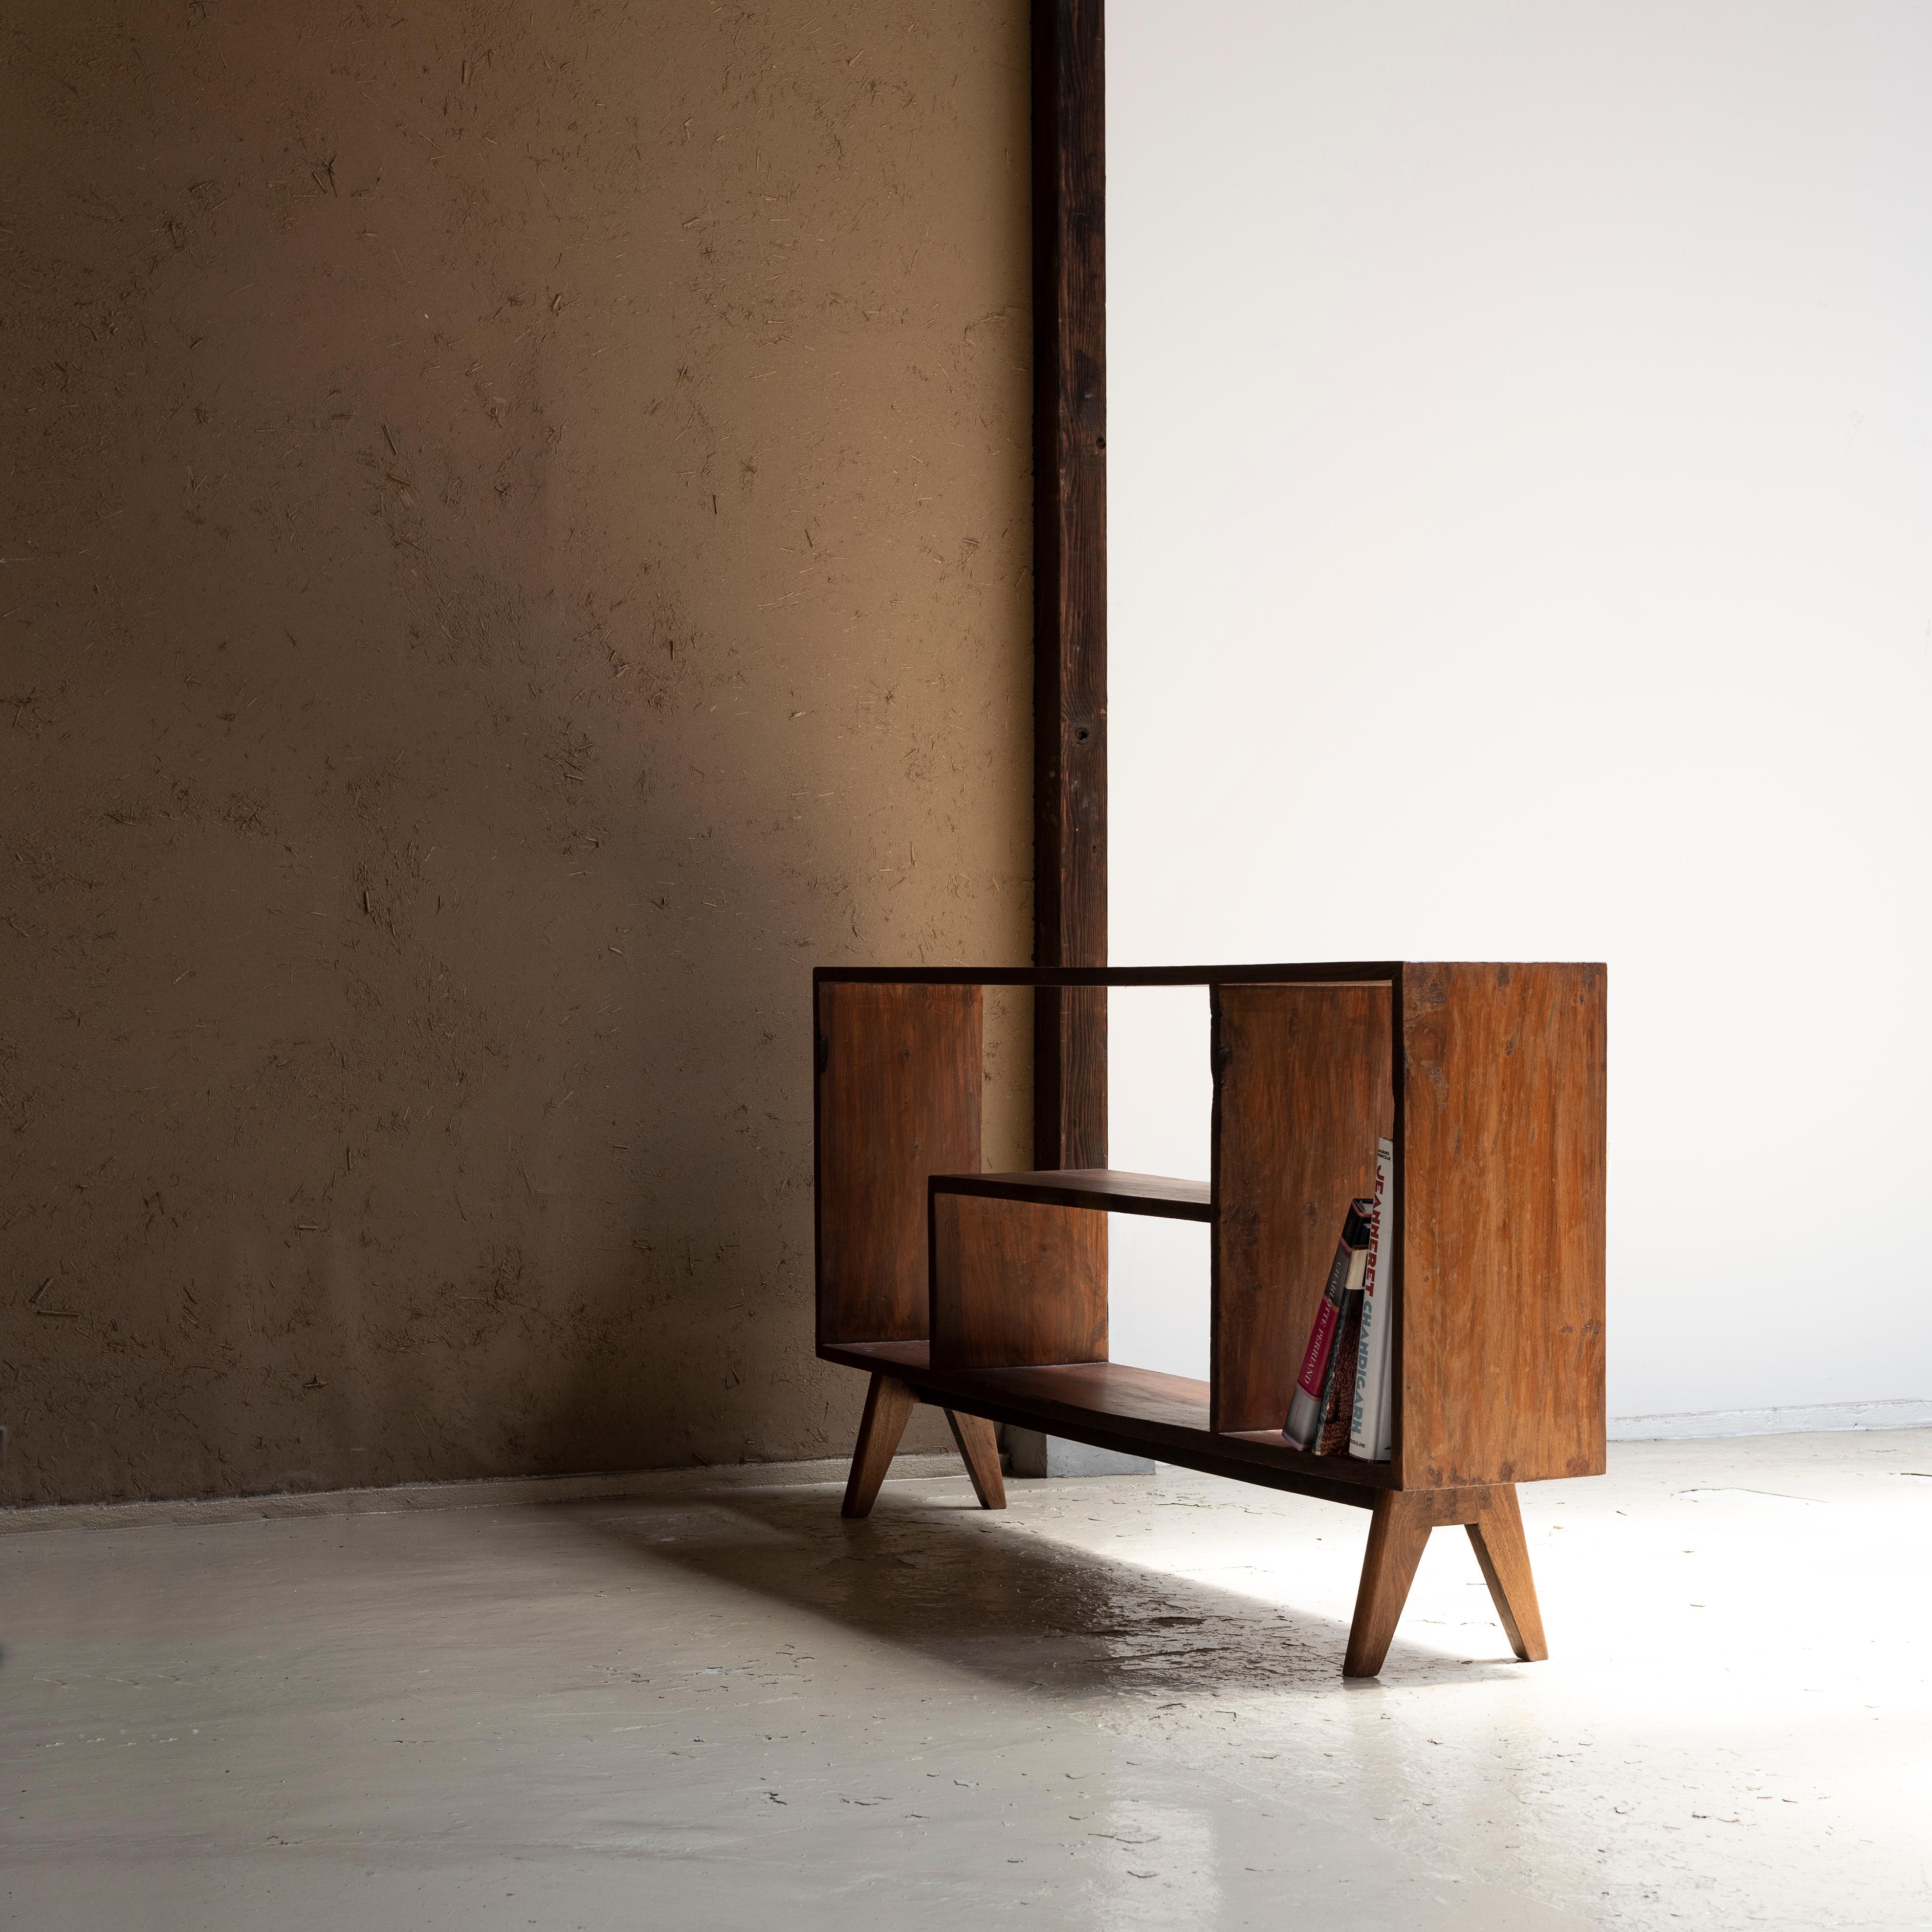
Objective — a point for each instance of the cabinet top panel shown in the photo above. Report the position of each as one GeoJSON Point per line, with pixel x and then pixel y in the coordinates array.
{"type": "Point", "coordinates": [1345, 972]}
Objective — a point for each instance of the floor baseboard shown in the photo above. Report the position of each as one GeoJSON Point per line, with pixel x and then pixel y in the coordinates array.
{"type": "Point", "coordinates": [488, 1493]}
{"type": "Point", "coordinates": [1815, 1417]}
{"type": "Point", "coordinates": [493, 1492]}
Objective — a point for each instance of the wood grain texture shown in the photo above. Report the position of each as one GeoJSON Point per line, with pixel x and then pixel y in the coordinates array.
{"type": "Point", "coordinates": [979, 1449]}
{"type": "Point", "coordinates": [1016, 1283]}
{"type": "Point", "coordinates": [1496, 1536]}
{"type": "Point", "coordinates": [1069, 1059]}
{"type": "Point", "coordinates": [1069, 575]}
{"type": "Point", "coordinates": [898, 1099]}
{"type": "Point", "coordinates": [1303, 1084]}
{"type": "Point", "coordinates": [1111, 1389]}
{"type": "Point", "coordinates": [1499, 1339]}
{"type": "Point", "coordinates": [1108, 1190]}
{"type": "Point", "coordinates": [889, 1404]}
{"type": "Point", "coordinates": [1398, 1533]}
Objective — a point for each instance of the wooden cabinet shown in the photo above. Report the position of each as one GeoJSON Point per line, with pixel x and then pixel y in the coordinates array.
{"type": "Point", "coordinates": [986, 1294]}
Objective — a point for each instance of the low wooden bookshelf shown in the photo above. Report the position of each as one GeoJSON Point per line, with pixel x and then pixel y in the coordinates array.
{"type": "Point", "coordinates": [985, 1294]}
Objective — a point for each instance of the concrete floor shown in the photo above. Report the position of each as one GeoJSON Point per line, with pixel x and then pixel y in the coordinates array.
{"type": "Point", "coordinates": [1117, 1705]}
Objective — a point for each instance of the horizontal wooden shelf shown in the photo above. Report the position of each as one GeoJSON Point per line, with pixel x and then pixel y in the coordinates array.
{"type": "Point", "coordinates": [1110, 1190]}
{"type": "Point", "coordinates": [1135, 1411]}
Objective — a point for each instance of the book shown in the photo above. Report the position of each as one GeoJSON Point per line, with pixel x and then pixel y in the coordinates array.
{"type": "Point", "coordinates": [1368, 1431]}
{"type": "Point", "coordinates": [1338, 1405]}
{"type": "Point", "coordinates": [1344, 1275]}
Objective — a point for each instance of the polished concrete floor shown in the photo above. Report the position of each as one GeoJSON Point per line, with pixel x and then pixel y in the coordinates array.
{"type": "Point", "coordinates": [1117, 1705]}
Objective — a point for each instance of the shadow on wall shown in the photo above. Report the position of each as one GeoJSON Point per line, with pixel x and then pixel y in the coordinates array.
{"type": "Point", "coordinates": [523, 551]}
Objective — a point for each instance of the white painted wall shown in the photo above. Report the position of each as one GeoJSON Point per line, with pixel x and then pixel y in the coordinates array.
{"type": "Point", "coordinates": [1520, 452]}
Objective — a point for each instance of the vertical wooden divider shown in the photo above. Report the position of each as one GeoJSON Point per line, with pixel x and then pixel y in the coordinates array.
{"type": "Point", "coordinates": [1502, 1210]}
{"type": "Point", "coordinates": [898, 1100]}
{"type": "Point", "coordinates": [1303, 1085]}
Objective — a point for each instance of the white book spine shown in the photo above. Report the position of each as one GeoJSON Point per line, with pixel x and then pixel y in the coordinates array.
{"type": "Point", "coordinates": [1369, 1431]}
{"type": "Point", "coordinates": [1361, 1435]}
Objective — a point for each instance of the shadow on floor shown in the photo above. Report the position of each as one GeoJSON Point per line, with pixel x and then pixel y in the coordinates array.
{"type": "Point", "coordinates": [939, 1575]}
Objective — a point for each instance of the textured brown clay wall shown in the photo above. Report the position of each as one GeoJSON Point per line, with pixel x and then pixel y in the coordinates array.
{"type": "Point", "coordinates": [516, 537]}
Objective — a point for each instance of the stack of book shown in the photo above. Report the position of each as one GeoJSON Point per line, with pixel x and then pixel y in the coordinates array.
{"type": "Point", "coordinates": [1341, 1403]}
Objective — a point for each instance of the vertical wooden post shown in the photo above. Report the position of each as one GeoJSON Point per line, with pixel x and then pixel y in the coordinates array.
{"type": "Point", "coordinates": [1069, 441]}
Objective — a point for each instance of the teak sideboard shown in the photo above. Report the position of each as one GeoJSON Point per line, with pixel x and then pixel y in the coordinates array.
{"type": "Point", "coordinates": [985, 1294]}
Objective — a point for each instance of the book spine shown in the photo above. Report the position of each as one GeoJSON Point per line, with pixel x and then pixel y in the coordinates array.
{"type": "Point", "coordinates": [1304, 1409]}
{"type": "Point", "coordinates": [1368, 1427]}
{"type": "Point", "coordinates": [1385, 1424]}
{"type": "Point", "coordinates": [1385, 1364]}
{"type": "Point", "coordinates": [1361, 1431]}
{"type": "Point", "coordinates": [1338, 1404]}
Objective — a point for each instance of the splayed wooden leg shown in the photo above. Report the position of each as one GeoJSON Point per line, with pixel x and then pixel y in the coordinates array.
{"type": "Point", "coordinates": [1497, 1536]}
{"type": "Point", "coordinates": [981, 1449]}
{"type": "Point", "coordinates": [1397, 1532]}
{"type": "Point", "coordinates": [888, 1403]}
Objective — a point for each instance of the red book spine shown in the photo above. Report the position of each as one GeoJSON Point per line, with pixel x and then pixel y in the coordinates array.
{"type": "Point", "coordinates": [1315, 1363]}
{"type": "Point", "coordinates": [1304, 1409]}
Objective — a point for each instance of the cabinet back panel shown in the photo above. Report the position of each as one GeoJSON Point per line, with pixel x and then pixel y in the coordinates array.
{"type": "Point", "coordinates": [1016, 1284]}
{"type": "Point", "coordinates": [898, 1092]}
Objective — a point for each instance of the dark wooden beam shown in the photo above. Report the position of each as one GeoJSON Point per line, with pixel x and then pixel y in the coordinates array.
{"type": "Point", "coordinates": [1070, 296]}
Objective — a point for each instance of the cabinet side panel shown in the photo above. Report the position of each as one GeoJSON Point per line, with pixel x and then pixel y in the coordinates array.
{"type": "Point", "coordinates": [1501, 1332]}
{"type": "Point", "coordinates": [898, 1090]}
{"type": "Point", "coordinates": [1016, 1285]}
{"type": "Point", "coordinates": [1303, 1084]}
